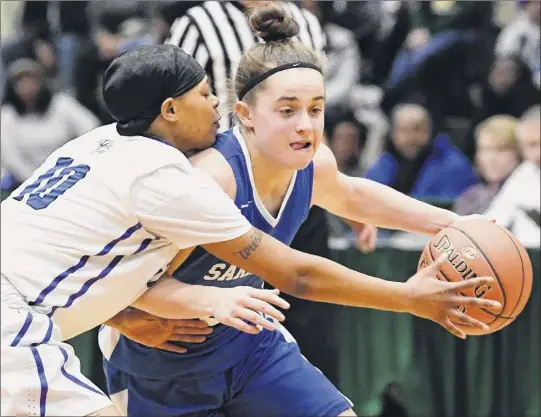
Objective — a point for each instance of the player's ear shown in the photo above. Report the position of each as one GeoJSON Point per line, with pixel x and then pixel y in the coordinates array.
{"type": "Point", "coordinates": [243, 113]}
{"type": "Point", "coordinates": [169, 110]}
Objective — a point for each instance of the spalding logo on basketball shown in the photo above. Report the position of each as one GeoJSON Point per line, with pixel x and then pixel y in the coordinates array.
{"type": "Point", "coordinates": [479, 248]}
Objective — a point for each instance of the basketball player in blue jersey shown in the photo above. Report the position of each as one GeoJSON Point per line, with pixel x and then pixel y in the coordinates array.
{"type": "Point", "coordinates": [274, 168]}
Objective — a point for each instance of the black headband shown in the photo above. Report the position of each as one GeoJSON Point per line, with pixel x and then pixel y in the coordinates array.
{"type": "Point", "coordinates": [262, 77]}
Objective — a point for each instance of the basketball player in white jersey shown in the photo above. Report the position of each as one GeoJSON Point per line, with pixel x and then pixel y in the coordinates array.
{"type": "Point", "coordinates": [104, 216]}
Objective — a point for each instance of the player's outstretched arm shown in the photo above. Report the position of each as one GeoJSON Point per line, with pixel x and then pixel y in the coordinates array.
{"type": "Point", "coordinates": [198, 212]}
{"type": "Point", "coordinates": [365, 201]}
{"type": "Point", "coordinates": [318, 279]}
{"type": "Point", "coordinates": [163, 313]}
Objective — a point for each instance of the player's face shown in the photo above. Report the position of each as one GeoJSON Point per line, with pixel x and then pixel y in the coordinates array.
{"type": "Point", "coordinates": [495, 159]}
{"type": "Point", "coordinates": [288, 117]}
{"type": "Point", "coordinates": [197, 118]}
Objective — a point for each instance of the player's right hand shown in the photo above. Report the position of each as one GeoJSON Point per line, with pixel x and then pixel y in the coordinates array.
{"type": "Point", "coordinates": [157, 332]}
{"type": "Point", "coordinates": [240, 307]}
{"type": "Point", "coordinates": [438, 300]}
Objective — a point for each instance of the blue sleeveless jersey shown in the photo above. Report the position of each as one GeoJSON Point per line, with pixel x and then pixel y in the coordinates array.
{"type": "Point", "coordinates": [225, 346]}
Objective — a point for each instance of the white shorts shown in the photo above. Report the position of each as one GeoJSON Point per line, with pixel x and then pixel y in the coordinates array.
{"type": "Point", "coordinates": [40, 376]}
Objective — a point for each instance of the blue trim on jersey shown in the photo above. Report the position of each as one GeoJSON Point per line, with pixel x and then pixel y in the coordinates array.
{"type": "Point", "coordinates": [86, 286]}
{"type": "Point", "coordinates": [43, 382]}
{"type": "Point", "coordinates": [73, 378]}
{"type": "Point", "coordinates": [47, 290]}
{"type": "Point", "coordinates": [143, 246]}
{"type": "Point", "coordinates": [23, 330]}
{"type": "Point", "coordinates": [82, 262]}
{"type": "Point", "coordinates": [107, 248]}
{"type": "Point", "coordinates": [47, 335]}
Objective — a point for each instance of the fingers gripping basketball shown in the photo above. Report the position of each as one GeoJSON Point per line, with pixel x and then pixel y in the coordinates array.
{"type": "Point", "coordinates": [476, 248]}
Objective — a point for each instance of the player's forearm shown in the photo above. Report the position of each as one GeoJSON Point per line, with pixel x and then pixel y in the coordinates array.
{"type": "Point", "coordinates": [384, 207]}
{"type": "Point", "coordinates": [310, 277]}
{"type": "Point", "coordinates": [326, 281]}
{"type": "Point", "coordinates": [171, 299]}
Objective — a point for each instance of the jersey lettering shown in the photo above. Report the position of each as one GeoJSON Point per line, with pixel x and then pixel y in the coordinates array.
{"type": "Point", "coordinates": [60, 178]}
{"type": "Point", "coordinates": [219, 272]}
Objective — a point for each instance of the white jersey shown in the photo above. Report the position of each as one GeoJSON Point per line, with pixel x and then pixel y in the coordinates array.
{"type": "Point", "coordinates": [102, 218]}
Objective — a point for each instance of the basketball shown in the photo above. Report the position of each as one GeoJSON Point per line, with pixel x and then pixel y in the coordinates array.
{"type": "Point", "coordinates": [478, 248]}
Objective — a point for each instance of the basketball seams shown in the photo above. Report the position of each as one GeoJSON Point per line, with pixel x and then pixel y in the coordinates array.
{"type": "Point", "coordinates": [523, 272]}
{"type": "Point", "coordinates": [489, 264]}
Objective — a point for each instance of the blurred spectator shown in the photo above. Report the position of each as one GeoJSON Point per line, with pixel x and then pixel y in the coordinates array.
{"type": "Point", "coordinates": [395, 25]}
{"type": "Point", "coordinates": [116, 26]}
{"type": "Point", "coordinates": [343, 60]}
{"type": "Point", "coordinates": [35, 120]}
{"type": "Point", "coordinates": [522, 38]}
{"type": "Point", "coordinates": [347, 138]}
{"type": "Point", "coordinates": [509, 89]}
{"type": "Point", "coordinates": [34, 40]}
{"type": "Point", "coordinates": [419, 163]}
{"type": "Point", "coordinates": [517, 205]}
{"type": "Point", "coordinates": [379, 29]}
{"type": "Point", "coordinates": [435, 60]}
{"type": "Point", "coordinates": [497, 156]}
{"type": "Point", "coordinates": [73, 33]}
{"type": "Point", "coordinates": [528, 133]}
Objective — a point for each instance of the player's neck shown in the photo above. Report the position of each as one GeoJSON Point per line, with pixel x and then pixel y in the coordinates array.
{"type": "Point", "coordinates": [270, 179]}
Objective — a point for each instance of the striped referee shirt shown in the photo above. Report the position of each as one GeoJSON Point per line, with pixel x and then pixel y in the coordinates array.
{"type": "Point", "coordinates": [216, 34]}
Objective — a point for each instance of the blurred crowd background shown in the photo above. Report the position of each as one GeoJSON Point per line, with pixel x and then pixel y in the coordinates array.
{"type": "Point", "coordinates": [437, 99]}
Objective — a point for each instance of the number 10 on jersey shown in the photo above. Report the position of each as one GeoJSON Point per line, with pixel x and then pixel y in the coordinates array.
{"type": "Point", "coordinates": [59, 179]}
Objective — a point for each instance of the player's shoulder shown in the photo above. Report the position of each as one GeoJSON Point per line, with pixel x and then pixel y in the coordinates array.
{"type": "Point", "coordinates": [130, 155]}
{"type": "Point", "coordinates": [324, 161]}
{"type": "Point", "coordinates": [214, 163]}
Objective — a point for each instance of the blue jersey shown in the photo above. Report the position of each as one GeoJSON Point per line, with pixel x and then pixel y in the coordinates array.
{"type": "Point", "coordinates": [225, 346]}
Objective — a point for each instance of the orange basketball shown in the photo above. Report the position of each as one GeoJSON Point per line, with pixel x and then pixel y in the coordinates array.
{"type": "Point", "coordinates": [478, 248]}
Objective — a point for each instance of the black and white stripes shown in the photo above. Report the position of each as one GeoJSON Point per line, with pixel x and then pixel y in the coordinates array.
{"type": "Point", "coordinates": [216, 33]}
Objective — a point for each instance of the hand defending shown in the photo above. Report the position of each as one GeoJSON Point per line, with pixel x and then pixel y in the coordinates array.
{"type": "Point", "coordinates": [438, 300]}
{"type": "Point", "coordinates": [156, 332]}
{"type": "Point", "coordinates": [240, 305]}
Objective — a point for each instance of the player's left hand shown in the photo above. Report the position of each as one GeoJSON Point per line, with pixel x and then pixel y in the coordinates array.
{"type": "Point", "coordinates": [157, 332]}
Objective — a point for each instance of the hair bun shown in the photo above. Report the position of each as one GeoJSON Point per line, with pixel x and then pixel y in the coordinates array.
{"type": "Point", "coordinates": [272, 23]}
